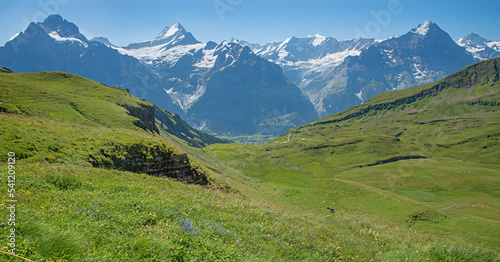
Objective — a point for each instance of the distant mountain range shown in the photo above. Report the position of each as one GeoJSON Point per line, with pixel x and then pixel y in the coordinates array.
{"type": "Point", "coordinates": [222, 87]}
{"type": "Point", "coordinates": [219, 88]}
{"type": "Point", "coordinates": [337, 75]}
{"type": "Point", "coordinates": [481, 48]}
{"type": "Point", "coordinates": [243, 88]}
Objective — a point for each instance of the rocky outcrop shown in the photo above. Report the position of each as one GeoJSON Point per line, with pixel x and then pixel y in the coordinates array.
{"type": "Point", "coordinates": [152, 160]}
{"type": "Point", "coordinates": [146, 114]}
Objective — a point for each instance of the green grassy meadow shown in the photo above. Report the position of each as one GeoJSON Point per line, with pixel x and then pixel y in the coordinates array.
{"type": "Point", "coordinates": [67, 98]}
{"type": "Point", "coordinates": [410, 175]}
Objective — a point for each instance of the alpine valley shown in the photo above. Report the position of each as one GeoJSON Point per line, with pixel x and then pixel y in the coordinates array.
{"type": "Point", "coordinates": [410, 175]}
{"type": "Point", "coordinates": [96, 167]}
{"type": "Point", "coordinates": [236, 88]}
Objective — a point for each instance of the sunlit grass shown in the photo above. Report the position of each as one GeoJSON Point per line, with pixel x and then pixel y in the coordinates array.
{"type": "Point", "coordinates": [68, 212]}
{"type": "Point", "coordinates": [402, 182]}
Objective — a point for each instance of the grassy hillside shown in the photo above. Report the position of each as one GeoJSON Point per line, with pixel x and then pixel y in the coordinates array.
{"type": "Point", "coordinates": [74, 99]}
{"type": "Point", "coordinates": [69, 98]}
{"type": "Point", "coordinates": [70, 211]}
{"type": "Point", "coordinates": [59, 120]}
{"type": "Point", "coordinates": [433, 150]}
{"type": "Point", "coordinates": [411, 175]}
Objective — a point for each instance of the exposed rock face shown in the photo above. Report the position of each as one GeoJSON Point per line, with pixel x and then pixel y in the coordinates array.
{"type": "Point", "coordinates": [222, 88]}
{"type": "Point", "coordinates": [146, 115]}
{"type": "Point", "coordinates": [480, 48]}
{"type": "Point", "coordinates": [152, 160]}
{"type": "Point", "coordinates": [337, 75]}
{"type": "Point", "coordinates": [421, 56]}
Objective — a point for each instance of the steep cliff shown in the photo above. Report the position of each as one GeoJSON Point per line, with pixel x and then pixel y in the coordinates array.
{"type": "Point", "coordinates": [145, 114]}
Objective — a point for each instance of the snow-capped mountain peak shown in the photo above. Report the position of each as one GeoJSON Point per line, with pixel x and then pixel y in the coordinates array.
{"type": "Point", "coordinates": [222, 44]}
{"type": "Point", "coordinates": [211, 83]}
{"type": "Point", "coordinates": [424, 28]}
{"type": "Point", "coordinates": [170, 31]}
{"type": "Point", "coordinates": [58, 27]}
{"type": "Point", "coordinates": [472, 39]}
{"type": "Point", "coordinates": [480, 47]}
{"type": "Point", "coordinates": [318, 39]}
{"type": "Point", "coordinates": [168, 38]}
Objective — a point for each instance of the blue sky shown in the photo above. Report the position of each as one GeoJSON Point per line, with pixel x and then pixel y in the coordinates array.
{"type": "Point", "coordinates": [259, 21]}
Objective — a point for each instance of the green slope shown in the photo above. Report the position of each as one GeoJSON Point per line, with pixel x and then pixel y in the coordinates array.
{"type": "Point", "coordinates": [70, 211]}
{"type": "Point", "coordinates": [456, 117]}
{"type": "Point", "coordinates": [436, 145]}
{"type": "Point", "coordinates": [416, 181]}
{"type": "Point", "coordinates": [74, 99]}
